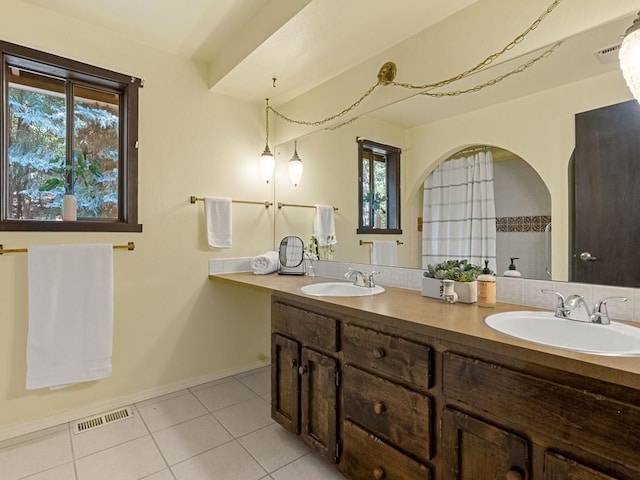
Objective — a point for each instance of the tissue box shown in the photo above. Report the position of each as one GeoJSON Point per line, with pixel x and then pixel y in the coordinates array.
{"type": "Point", "coordinates": [467, 291]}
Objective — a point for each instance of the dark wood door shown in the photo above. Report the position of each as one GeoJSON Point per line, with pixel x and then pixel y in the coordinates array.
{"type": "Point", "coordinates": [475, 450]}
{"type": "Point", "coordinates": [557, 467]}
{"type": "Point", "coordinates": [285, 382]}
{"type": "Point", "coordinates": [606, 197]}
{"type": "Point", "coordinates": [319, 397]}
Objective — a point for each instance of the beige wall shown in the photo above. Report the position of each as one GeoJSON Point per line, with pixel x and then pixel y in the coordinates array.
{"type": "Point", "coordinates": [173, 326]}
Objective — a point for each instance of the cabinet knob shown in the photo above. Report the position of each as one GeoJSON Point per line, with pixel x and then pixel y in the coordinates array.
{"type": "Point", "coordinates": [302, 369]}
{"type": "Point", "coordinates": [514, 474]}
{"type": "Point", "coordinates": [378, 473]}
{"type": "Point", "coordinates": [379, 352]}
{"type": "Point", "coordinates": [379, 408]}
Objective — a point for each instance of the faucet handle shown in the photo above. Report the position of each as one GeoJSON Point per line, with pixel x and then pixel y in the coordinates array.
{"type": "Point", "coordinates": [372, 282]}
{"type": "Point", "coordinates": [560, 302]}
{"type": "Point", "coordinates": [600, 313]}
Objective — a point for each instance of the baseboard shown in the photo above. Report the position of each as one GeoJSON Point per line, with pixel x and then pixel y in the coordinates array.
{"type": "Point", "coordinates": [115, 403]}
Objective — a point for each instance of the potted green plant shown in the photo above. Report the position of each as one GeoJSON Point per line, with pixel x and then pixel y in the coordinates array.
{"type": "Point", "coordinates": [462, 272]}
{"type": "Point", "coordinates": [65, 177]}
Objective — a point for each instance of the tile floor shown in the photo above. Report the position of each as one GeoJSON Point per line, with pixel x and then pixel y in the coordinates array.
{"type": "Point", "coordinates": [217, 431]}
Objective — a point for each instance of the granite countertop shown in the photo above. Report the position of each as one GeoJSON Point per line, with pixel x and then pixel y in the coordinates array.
{"type": "Point", "coordinates": [461, 323]}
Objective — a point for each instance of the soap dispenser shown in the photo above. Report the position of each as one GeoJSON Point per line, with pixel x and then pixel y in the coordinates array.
{"type": "Point", "coordinates": [512, 272]}
{"type": "Point", "coordinates": [486, 287]}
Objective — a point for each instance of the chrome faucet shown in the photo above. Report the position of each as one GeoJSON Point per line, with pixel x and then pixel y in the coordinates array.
{"type": "Point", "coordinates": [361, 279]}
{"type": "Point", "coordinates": [576, 306]}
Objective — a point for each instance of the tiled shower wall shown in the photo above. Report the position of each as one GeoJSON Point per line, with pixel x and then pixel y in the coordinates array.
{"type": "Point", "coordinates": [523, 210]}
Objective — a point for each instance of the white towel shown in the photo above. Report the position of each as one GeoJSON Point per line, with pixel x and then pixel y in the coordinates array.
{"type": "Point", "coordinates": [324, 228]}
{"type": "Point", "coordinates": [384, 252]}
{"type": "Point", "coordinates": [70, 314]}
{"type": "Point", "coordinates": [217, 211]}
{"type": "Point", "coordinates": [268, 262]}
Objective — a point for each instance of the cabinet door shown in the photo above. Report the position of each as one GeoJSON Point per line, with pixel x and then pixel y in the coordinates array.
{"type": "Point", "coordinates": [285, 382]}
{"type": "Point", "coordinates": [475, 450]}
{"type": "Point", "coordinates": [319, 395]}
{"type": "Point", "coordinates": [556, 467]}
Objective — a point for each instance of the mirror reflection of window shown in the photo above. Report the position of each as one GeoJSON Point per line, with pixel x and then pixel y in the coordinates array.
{"type": "Point", "coordinates": [379, 188]}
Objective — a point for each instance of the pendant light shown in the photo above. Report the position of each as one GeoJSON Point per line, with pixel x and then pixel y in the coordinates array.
{"type": "Point", "coordinates": [295, 166]}
{"type": "Point", "coordinates": [629, 56]}
{"type": "Point", "coordinates": [267, 161]}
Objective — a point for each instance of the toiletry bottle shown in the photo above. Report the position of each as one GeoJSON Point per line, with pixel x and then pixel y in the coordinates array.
{"type": "Point", "coordinates": [512, 272]}
{"type": "Point", "coordinates": [486, 287]}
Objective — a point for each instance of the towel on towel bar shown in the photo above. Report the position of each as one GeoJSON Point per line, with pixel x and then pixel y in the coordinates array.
{"type": "Point", "coordinates": [70, 314]}
{"type": "Point", "coordinates": [217, 211]}
{"type": "Point", "coordinates": [324, 227]}
{"type": "Point", "coordinates": [268, 262]}
{"type": "Point", "coordinates": [384, 252]}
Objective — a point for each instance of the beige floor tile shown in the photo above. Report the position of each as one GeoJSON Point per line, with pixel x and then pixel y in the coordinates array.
{"type": "Point", "coordinates": [224, 395]}
{"type": "Point", "coordinates": [128, 461]}
{"type": "Point", "coordinates": [273, 447]}
{"type": "Point", "coordinates": [37, 454]}
{"type": "Point", "coordinates": [259, 382]}
{"type": "Point", "coordinates": [170, 412]}
{"type": "Point", "coordinates": [227, 462]}
{"type": "Point", "coordinates": [191, 438]}
{"type": "Point", "coordinates": [245, 417]}
{"type": "Point", "coordinates": [92, 441]}
{"type": "Point", "coordinates": [309, 467]}
{"type": "Point", "coordinates": [163, 475]}
{"type": "Point", "coordinates": [63, 472]}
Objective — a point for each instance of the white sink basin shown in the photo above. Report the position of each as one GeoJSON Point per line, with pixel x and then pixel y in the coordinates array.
{"type": "Point", "coordinates": [340, 289]}
{"type": "Point", "coordinates": [617, 339]}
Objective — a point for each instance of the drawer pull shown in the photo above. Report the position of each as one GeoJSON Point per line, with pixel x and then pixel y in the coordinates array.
{"type": "Point", "coordinates": [379, 408]}
{"type": "Point", "coordinates": [302, 369]}
{"type": "Point", "coordinates": [514, 474]}
{"type": "Point", "coordinates": [379, 352]}
{"type": "Point", "coordinates": [294, 363]}
{"type": "Point", "coordinates": [378, 473]}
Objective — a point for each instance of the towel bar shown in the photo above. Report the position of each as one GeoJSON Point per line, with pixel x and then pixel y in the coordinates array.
{"type": "Point", "coordinates": [365, 242]}
{"type": "Point", "coordinates": [194, 199]}
{"type": "Point", "coordinates": [280, 205]}
{"type": "Point", "coordinates": [129, 246]}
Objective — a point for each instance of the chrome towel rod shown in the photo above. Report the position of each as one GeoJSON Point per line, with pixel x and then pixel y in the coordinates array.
{"type": "Point", "coordinates": [280, 205]}
{"type": "Point", "coordinates": [365, 242]}
{"type": "Point", "coordinates": [194, 199]}
{"type": "Point", "coordinates": [129, 246]}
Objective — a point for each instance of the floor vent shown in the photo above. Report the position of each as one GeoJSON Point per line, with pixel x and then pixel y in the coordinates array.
{"type": "Point", "coordinates": [101, 420]}
{"type": "Point", "coordinates": [608, 54]}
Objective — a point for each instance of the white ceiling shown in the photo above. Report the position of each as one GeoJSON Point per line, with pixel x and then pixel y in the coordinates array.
{"type": "Point", "coordinates": [242, 44]}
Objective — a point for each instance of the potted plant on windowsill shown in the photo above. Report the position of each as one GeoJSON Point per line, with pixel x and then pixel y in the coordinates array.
{"type": "Point", "coordinates": [66, 177]}
{"type": "Point", "coordinates": [463, 273]}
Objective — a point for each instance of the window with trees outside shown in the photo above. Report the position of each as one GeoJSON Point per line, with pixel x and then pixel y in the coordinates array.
{"type": "Point", "coordinates": [68, 128]}
{"type": "Point", "coordinates": [378, 188]}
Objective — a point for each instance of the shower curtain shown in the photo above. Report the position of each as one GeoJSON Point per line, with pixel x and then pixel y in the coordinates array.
{"type": "Point", "coordinates": [459, 213]}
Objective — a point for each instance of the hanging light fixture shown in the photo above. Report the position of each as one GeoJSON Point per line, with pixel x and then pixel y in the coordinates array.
{"type": "Point", "coordinates": [629, 56]}
{"type": "Point", "coordinates": [295, 166]}
{"type": "Point", "coordinates": [267, 161]}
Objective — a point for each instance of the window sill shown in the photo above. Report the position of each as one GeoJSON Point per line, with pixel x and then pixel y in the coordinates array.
{"type": "Point", "coordinates": [381, 231]}
{"type": "Point", "coordinates": [78, 226]}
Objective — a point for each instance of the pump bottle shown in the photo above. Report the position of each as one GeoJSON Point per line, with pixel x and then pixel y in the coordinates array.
{"type": "Point", "coordinates": [486, 287]}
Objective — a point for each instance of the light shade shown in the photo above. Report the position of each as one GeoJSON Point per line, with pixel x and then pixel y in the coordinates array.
{"type": "Point", "coordinates": [267, 164]}
{"type": "Point", "coordinates": [629, 56]}
{"type": "Point", "coordinates": [295, 167]}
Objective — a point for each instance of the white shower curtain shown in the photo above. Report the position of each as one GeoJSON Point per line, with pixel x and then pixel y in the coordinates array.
{"type": "Point", "coordinates": [459, 213]}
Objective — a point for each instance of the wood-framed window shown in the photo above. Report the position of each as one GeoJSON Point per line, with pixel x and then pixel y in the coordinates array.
{"type": "Point", "coordinates": [378, 188]}
{"type": "Point", "coordinates": [66, 128]}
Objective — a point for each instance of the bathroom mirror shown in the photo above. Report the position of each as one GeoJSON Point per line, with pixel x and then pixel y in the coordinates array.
{"type": "Point", "coordinates": [530, 116]}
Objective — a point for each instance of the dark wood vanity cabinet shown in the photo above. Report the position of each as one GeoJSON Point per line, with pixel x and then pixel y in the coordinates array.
{"type": "Point", "coordinates": [304, 377]}
{"type": "Point", "coordinates": [385, 402]}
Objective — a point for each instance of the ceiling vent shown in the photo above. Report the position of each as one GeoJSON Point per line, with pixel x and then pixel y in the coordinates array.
{"type": "Point", "coordinates": [608, 54]}
{"type": "Point", "coordinates": [101, 420]}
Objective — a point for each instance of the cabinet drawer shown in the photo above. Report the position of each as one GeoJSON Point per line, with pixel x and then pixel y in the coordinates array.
{"type": "Point", "coordinates": [393, 356]}
{"type": "Point", "coordinates": [307, 327]}
{"type": "Point", "coordinates": [601, 425]}
{"type": "Point", "coordinates": [367, 457]}
{"type": "Point", "coordinates": [394, 413]}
